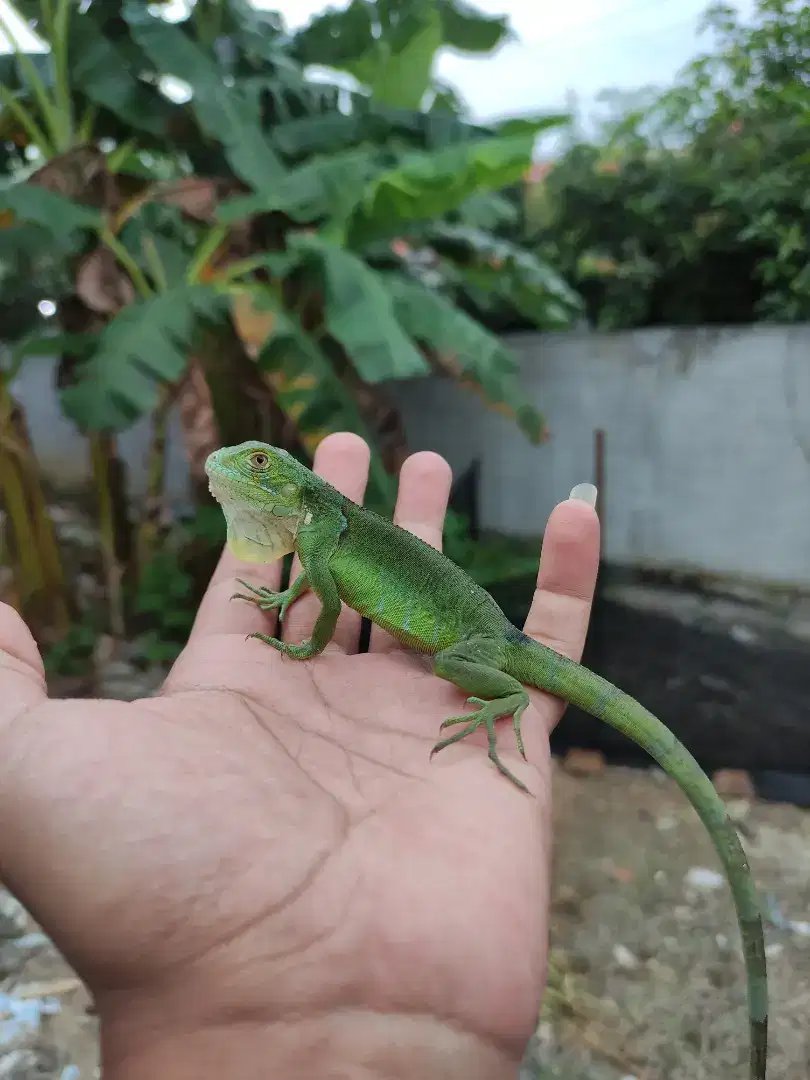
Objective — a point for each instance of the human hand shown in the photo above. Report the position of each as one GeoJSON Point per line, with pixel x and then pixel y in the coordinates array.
{"type": "Point", "coordinates": [260, 872]}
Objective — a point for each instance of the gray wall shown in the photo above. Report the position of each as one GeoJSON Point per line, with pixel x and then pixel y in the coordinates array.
{"type": "Point", "coordinates": [707, 440]}
{"type": "Point", "coordinates": [64, 455]}
{"type": "Point", "coordinates": [707, 444]}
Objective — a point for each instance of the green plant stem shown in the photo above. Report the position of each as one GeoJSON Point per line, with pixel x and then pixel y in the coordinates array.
{"type": "Point", "coordinates": [243, 266]}
{"type": "Point", "coordinates": [23, 553]}
{"type": "Point", "coordinates": [205, 249]}
{"type": "Point", "coordinates": [32, 129]}
{"type": "Point", "coordinates": [50, 114]}
{"type": "Point", "coordinates": [41, 577]}
{"type": "Point", "coordinates": [208, 20]}
{"type": "Point", "coordinates": [116, 157]}
{"type": "Point", "coordinates": [27, 570]}
{"type": "Point", "coordinates": [59, 48]}
{"type": "Point", "coordinates": [111, 241]}
{"type": "Point", "coordinates": [84, 131]}
{"type": "Point", "coordinates": [156, 267]}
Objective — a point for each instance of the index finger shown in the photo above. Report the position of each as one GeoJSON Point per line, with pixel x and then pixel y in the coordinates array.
{"type": "Point", "coordinates": [424, 488]}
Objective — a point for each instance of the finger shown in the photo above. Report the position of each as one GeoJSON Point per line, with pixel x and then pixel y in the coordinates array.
{"type": "Point", "coordinates": [218, 613]}
{"type": "Point", "coordinates": [22, 676]}
{"type": "Point", "coordinates": [561, 607]}
{"type": "Point", "coordinates": [424, 489]}
{"type": "Point", "coordinates": [342, 460]}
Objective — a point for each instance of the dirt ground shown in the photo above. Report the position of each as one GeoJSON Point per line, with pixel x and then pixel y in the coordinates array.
{"type": "Point", "coordinates": [646, 980]}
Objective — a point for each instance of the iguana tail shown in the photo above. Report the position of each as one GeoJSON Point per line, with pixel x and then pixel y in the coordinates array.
{"type": "Point", "coordinates": [545, 669]}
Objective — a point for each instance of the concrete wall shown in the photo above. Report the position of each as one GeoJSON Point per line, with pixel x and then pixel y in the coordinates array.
{"type": "Point", "coordinates": [707, 444]}
{"type": "Point", "coordinates": [64, 455]}
{"type": "Point", "coordinates": [707, 440]}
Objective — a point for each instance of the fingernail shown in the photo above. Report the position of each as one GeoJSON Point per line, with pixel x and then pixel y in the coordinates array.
{"type": "Point", "coordinates": [584, 493]}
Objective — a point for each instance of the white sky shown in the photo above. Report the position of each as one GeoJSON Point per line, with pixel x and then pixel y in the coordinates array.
{"type": "Point", "coordinates": [580, 45]}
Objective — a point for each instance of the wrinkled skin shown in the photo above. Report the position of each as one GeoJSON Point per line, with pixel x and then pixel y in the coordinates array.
{"type": "Point", "coordinates": [260, 869]}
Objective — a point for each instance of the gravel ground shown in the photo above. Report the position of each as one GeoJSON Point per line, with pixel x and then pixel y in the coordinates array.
{"type": "Point", "coordinates": [646, 980]}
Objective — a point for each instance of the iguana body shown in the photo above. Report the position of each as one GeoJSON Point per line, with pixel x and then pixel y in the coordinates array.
{"type": "Point", "coordinates": [274, 505]}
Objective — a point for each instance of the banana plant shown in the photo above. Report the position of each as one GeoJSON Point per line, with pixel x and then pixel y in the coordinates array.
{"type": "Point", "coordinates": [214, 227]}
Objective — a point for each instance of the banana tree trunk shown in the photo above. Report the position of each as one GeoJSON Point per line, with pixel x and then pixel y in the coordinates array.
{"type": "Point", "coordinates": [41, 583]}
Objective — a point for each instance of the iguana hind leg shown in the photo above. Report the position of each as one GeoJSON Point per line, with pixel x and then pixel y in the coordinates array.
{"type": "Point", "coordinates": [474, 665]}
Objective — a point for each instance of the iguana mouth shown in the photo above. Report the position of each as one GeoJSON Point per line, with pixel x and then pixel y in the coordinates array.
{"type": "Point", "coordinates": [220, 488]}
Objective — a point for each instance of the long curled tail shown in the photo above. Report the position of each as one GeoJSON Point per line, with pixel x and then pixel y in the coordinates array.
{"type": "Point", "coordinates": [545, 669]}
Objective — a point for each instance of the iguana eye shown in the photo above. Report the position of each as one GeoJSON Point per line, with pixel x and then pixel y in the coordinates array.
{"type": "Point", "coordinates": [259, 460]}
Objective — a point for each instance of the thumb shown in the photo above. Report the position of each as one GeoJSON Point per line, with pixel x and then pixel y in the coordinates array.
{"type": "Point", "coordinates": [22, 675]}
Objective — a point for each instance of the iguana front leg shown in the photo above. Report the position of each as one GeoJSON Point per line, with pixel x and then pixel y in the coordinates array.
{"type": "Point", "coordinates": [267, 600]}
{"type": "Point", "coordinates": [315, 543]}
{"type": "Point", "coordinates": [474, 665]}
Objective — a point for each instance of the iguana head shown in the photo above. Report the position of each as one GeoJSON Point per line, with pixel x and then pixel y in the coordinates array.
{"type": "Point", "coordinates": [260, 490]}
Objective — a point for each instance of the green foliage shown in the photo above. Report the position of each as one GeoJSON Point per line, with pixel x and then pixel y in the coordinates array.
{"type": "Point", "coordinates": [165, 600]}
{"type": "Point", "coordinates": [692, 206]}
{"type": "Point", "coordinates": [144, 347]}
{"type": "Point", "coordinates": [390, 45]}
{"type": "Point", "coordinates": [428, 186]}
{"type": "Point", "coordinates": [32, 205]}
{"type": "Point", "coordinates": [366, 190]}
{"type": "Point", "coordinates": [465, 347]}
{"type": "Point", "coordinates": [491, 559]}
{"type": "Point", "coordinates": [184, 191]}
{"type": "Point", "coordinates": [646, 244]}
{"type": "Point", "coordinates": [359, 314]}
{"type": "Point", "coordinates": [325, 187]}
{"type": "Point", "coordinates": [749, 118]}
{"type": "Point", "coordinates": [310, 388]}
{"type": "Point", "coordinates": [502, 276]}
{"type": "Point", "coordinates": [229, 114]}
{"type": "Point", "coordinates": [105, 70]}
{"type": "Point", "coordinates": [169, 592]}
{"type": "Point", "coordinates": [73, 654]}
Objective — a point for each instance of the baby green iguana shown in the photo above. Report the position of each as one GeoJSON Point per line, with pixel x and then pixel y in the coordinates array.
{"type": "Point", "coordinates": [274, 505]}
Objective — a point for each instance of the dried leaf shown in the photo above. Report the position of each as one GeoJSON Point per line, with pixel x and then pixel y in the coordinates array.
{"type": "Point", "coordinates": [197, 420]}
{"type": "Point", "coordinates": [72, 173]}
{"type": "Point", "coordinates": [102, 284]}
{"type": "Point", "coordinates": [81, 174]}
{"type": "Point", "coordinates": [198, 197]}
{"type": "Point", "coordinates": [254, 324]}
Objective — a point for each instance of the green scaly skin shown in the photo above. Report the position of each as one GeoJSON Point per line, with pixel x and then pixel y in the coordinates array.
{"type": "Point", "coordinates": [273, 505]}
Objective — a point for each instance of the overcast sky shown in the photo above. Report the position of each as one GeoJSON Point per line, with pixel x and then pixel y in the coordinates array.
{"type": "Point", "coordinates": [579, 45]}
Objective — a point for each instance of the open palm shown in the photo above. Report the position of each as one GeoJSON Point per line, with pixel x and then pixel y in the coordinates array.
{"type": "Point", "coordinates": [266, 847]}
